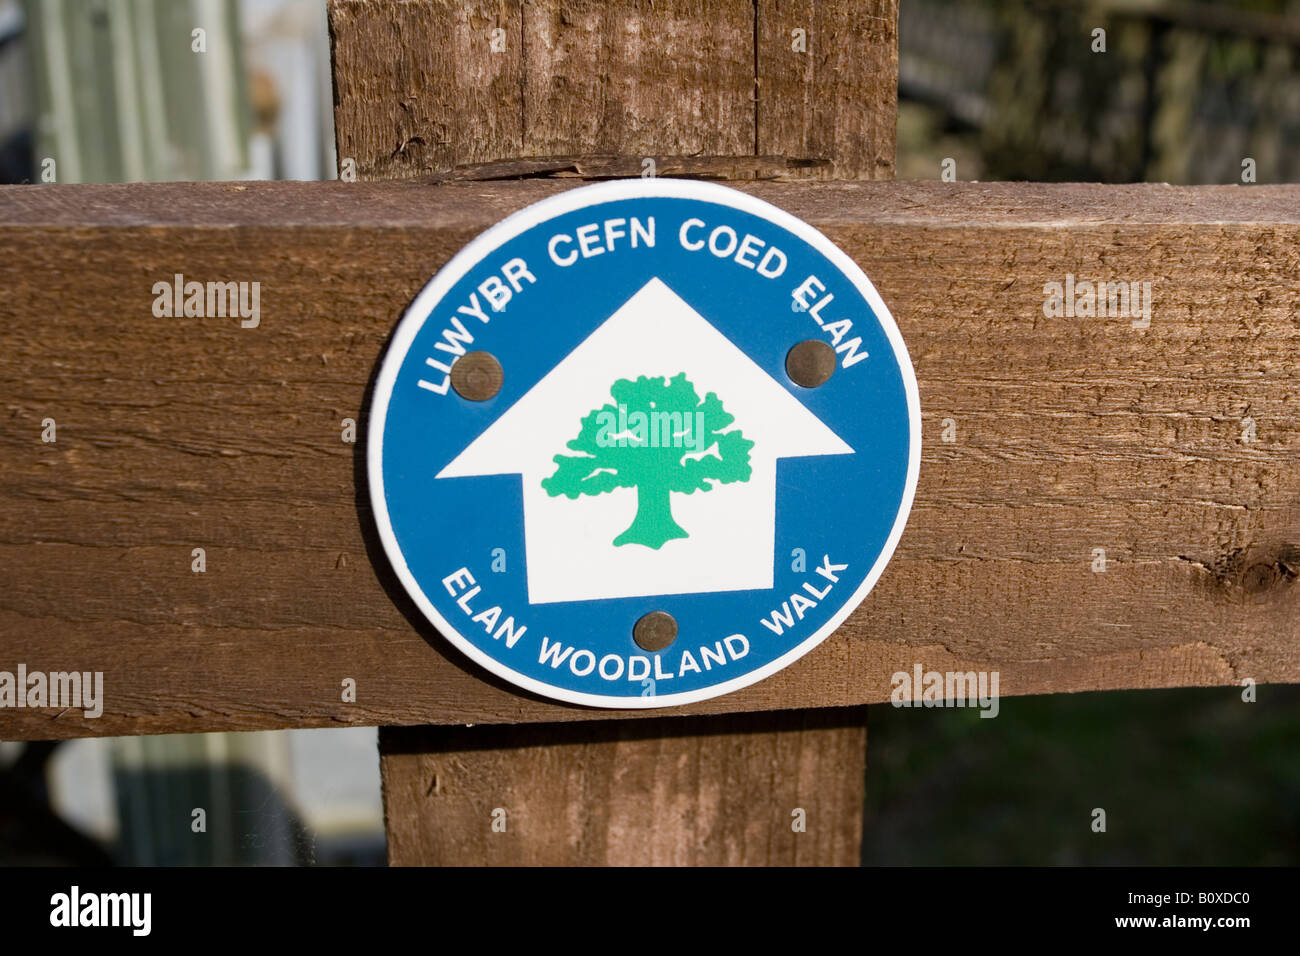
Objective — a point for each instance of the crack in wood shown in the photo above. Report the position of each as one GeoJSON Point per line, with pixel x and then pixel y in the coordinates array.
{"type": "Point", "coordinates": [608, 166]}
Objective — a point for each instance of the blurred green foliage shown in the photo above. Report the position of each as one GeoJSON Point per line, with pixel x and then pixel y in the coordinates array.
{"type": "Point", "coordinates": [1186, 777]}
{"type": "Point", "coordinates": [1182, 92]}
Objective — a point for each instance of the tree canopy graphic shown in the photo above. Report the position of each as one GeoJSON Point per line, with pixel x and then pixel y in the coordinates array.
{"type": "Point", "coordinates": [659, 438]}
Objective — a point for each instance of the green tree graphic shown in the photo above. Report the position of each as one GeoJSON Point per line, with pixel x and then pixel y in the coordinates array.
{"type": "Point", "coordinates": [659, 438]}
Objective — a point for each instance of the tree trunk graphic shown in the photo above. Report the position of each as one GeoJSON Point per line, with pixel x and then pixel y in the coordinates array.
{"type": "Point", "coordinates": [659, 438]}
{"type": "Point", "coordinates": [653, 525]}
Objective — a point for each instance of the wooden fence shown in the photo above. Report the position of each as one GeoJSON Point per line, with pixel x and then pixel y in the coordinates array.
{"type": "Point", "coordinates": [1170, 446]}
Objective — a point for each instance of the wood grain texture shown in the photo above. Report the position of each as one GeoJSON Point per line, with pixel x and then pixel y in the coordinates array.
{"type": "Point", "coordinates": [666, 87]}
{"type": "Point", "coordinates": [595, 167]}
{"type": "Point", "coordinates": [1071, 434]}
{"type": "Point", "coordinates": [420, 90]}
{"type": "Point", "coordinates": [421, 86]}
{"type": "Point", "coordinates": [832, 92]}
{"type": "Point", "coordinates": [713, 791]}
{"type": "Point", "coordinates": [637, 78]}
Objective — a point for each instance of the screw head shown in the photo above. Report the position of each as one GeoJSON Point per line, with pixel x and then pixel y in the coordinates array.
{"type": "Point", "coordinates": [810, 363]}
{"type": "Point", "coordinates": [476, 376]}
{"type": "Point", "coordinates": [655, 631]}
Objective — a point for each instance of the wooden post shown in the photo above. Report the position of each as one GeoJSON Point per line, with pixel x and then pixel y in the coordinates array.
{"type": "Point", "coordinates": [727, 90]}
{"type": "Point", "coordinates": [783, 787]}
{"type": "Point", "coordinates": [1170, 445]}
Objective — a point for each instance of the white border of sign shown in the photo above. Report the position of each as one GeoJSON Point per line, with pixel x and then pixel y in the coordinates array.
{"type": "Point", "coordinates": [413, 320]}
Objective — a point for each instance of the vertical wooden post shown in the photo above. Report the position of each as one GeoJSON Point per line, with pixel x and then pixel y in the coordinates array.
{"type": "Point", "coordinates": [734, 89]}
{"type": "Point", "coordinates": [783, 787]}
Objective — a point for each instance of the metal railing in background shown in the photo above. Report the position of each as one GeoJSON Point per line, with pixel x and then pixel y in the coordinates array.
{"type": "Point", "coordinates": [153, 90]}
{"type": "Point", "coordinates": [272, 797]}
{"type": "Point", "coordinates": [138, 90]}
{"type": "Point", "coordinates": [161, 90]}
{"type": "Point", "coordinates": [16, 101]}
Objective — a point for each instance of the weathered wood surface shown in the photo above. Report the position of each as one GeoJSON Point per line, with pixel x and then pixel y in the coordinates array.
{"type": "Point", "coordinates": [1071, 434]}
{"type": "Point", "coordinates": [727, 90]}
{"type": "Point", "coordinates": [423, 87]}
{"type": "Point", "coordinates": [782, 788]}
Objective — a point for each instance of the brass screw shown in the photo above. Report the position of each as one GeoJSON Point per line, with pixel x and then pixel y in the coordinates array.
{"type": "Point", "coordinates": [655, 631]}
{"type": "Point", "coordinates": [476, 376]}
{"type": "Point", "coordinates": [810, 363]}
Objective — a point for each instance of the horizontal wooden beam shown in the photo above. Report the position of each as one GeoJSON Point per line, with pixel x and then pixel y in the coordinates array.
{"type": "Point", "coordinates": [1171, 447]}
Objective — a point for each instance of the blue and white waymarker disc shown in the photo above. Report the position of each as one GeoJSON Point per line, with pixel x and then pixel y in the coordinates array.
{"type": "Point", "coordinates": [647, 450]}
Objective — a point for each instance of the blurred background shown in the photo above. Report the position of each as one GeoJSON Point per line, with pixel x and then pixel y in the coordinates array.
{"type": "Point", "coordinates": [1177, 92]}
{"type": "Point", "coordinates": [111, 91]}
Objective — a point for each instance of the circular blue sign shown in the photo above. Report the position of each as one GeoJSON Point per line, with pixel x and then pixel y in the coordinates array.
{"type": "Point", "coordinates": [645, 448]}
